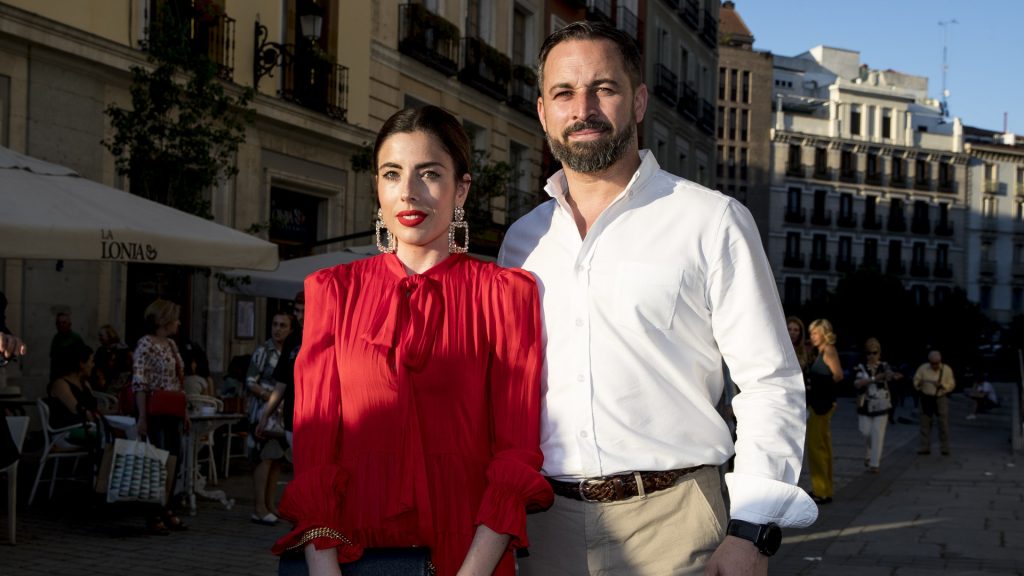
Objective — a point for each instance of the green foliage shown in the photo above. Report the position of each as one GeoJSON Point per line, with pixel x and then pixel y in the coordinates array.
{"type": "Point", "coordinates": [362, 160]}
{"type": "Point", "coordinates": [490, 181]}
{"type": "Point", "coordinates": [180, 135]}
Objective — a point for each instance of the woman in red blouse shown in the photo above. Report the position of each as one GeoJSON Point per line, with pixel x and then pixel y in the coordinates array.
{"type": "Point", "coordinates": [417, 397]}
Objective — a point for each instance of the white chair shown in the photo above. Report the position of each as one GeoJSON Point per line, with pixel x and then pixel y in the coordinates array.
{"type": "Point", "coordinates": [107, 403]}
{"type": "Point", "coordinates": [235, 406]}
{"type": "Point", "coordinates": [19, 427]}
{"type": "Point", "coordinates": [53, 451]}
{"type": "Point", "coordinates": [196, 403]}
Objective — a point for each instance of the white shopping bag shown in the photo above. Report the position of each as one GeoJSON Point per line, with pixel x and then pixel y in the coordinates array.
{"type": "Point", "coordinates": [138, 473]}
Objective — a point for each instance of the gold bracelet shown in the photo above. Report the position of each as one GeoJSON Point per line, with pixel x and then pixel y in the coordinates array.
{"type": "Point", "coordinates": [322, 532]}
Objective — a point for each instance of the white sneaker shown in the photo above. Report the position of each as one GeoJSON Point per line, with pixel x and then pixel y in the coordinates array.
{"type": "Point", "coordinates": [972, 417]}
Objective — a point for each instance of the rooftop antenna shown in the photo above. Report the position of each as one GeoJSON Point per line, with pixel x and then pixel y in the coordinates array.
{"type": "Point", "coordinates": [944, 105]}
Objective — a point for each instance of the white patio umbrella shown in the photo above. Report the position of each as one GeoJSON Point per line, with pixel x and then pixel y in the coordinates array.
{"type": "Point", "coordinates": [287, 280]}
{"type": "Point", "coordinates": [50, 212]}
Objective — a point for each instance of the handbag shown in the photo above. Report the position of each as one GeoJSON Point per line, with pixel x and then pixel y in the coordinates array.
{"type": "Point", "coordinates": [166, 403]}
{"type": "Point", "coordinates": [878, 402]}
{"type": "Point", "coordinates": [137, 473]}
{"type": "Point", "coordinates": [408, 561]}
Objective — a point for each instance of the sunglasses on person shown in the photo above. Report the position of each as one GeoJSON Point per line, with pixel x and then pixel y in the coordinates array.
{"type": "Point", "coordinates": [872, 352]}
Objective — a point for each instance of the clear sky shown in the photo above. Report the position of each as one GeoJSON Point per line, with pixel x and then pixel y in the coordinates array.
{"type": "Point", "coordinates": [985, 53]}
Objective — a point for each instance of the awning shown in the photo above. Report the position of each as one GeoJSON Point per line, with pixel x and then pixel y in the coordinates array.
{"type": "Point", "coordinates": [50, 212]}
{"type": "Point", "coordinates": [287, 280]}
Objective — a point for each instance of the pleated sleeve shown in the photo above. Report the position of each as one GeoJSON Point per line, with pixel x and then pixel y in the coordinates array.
{"type": "Point", "coordinates": [313, 499]}
{"type": "Point", "coordinates": [514, 482]}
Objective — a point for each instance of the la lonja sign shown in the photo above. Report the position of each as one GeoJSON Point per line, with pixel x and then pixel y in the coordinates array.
{"type": "Point", "coordinates": [113, 249]}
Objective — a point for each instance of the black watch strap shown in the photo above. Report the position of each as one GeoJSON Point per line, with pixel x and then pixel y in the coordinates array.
{"type": "Point", "coordinates": [766, 537]}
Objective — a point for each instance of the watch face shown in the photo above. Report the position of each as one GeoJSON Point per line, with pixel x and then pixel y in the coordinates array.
{"type": "Point", "coordinates": [771, 539]}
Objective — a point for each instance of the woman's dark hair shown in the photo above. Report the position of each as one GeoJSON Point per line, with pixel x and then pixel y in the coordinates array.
{"type": "Point", "coordinates": [193, 352]}
{"type": "Point", "coordinates": [432, 120]}
{"type": "Point", "coordinates": [69, 360]}
{"type": "Point", "coordinates": [587, 30]}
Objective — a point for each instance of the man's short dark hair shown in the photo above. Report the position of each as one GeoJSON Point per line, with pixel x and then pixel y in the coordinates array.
{"type": "Point", "coordinates": [587, 30]}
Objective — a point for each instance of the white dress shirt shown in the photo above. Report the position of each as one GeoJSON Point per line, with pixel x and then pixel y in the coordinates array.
{"type": "Point", "coordinates": [670, 280]}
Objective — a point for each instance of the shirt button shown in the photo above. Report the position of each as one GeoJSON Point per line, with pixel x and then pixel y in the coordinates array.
{"type": "Point", "coordinates": [579, 377]}
{"type": "Point", "coordinates": [583, 434]}
{"type": "Point", "coordinates": [579, 322]}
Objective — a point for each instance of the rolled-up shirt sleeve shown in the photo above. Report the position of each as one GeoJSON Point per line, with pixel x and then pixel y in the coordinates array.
{"type": "Point", "coordinates": [314, 499]}
{"type": "Point", "coordinates": [515, 484]}
{"type": "Point", "coordinates": [750, 330]}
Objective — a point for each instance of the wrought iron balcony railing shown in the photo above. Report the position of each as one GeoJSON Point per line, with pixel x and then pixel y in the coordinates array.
{"type": "Point", "coordinates": [485, 68]}
{"type": "Point", "coordinates": [428, 38]}
{"type": "Point", "coordinates": [921, 226]}
{"type": "Point", "coordinates": [666, 85]}
{"type": "Point", "coordinates": [689, 103]}
{"type": "Point", "coordinates": [707, 117]}
{"type": "Point", "coordinates": [208, 32]}
{"type": "Point", "coordinates": [600, 10]}
{"type": "Point", "coordinates": [795, 215]}
{"type": "Point", "coordinates": [821, 262]}
{"type": "Point", "coordinates": [709, 32]}
{"type": "Point", "coordinates": [314, 81]}
{"type": "Point", "coordinates": [793, 261]}
{"type": "Point", "coordinates": [872, 222]}
{"type": "Point", "coordinates": [523, 93]}
{"type": "Point", "coordinates": [629, 23]}
{"type": "Point", "coordinates": [690, 11]}
{"type": "Point", "coordinates": [821, 217]}
{"type": "Point", "coordinates": [848, 220]}
{"type": "Point", "coordinates": [944, 229]}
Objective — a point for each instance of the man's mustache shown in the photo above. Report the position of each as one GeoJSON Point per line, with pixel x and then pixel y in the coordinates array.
{"type": "Point", "coordinates": [586, 125]}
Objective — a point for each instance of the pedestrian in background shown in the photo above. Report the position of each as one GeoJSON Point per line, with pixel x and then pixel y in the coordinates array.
{"type": "Point", "coordinates": [934, 381]}
{"type": "Point", "coordinates": [983, 397]}
{"type": "Point", "coordinates": [798, 338]}
{"type": "Point", "coordinates": [64, 339]}
{"type": "Point", "coordinates": [874, 401]}
{"type": "Point", "coordinates": [650, 283]}
{"type": "Point", "coordinates": [822, 382]}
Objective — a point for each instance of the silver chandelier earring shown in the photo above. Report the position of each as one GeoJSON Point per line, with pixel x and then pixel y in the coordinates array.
{"type": "Point", "coordinates": [383, 248]}
{"type": "Point", "coordinates": [458, 224]}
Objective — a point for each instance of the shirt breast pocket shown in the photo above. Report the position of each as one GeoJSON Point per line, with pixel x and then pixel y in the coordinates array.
{"type": "Point", "coordinates": [646, 295]}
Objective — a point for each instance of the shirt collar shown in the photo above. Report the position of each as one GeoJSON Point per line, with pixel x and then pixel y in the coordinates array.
{"type": "Point", "coordinates": [557, 185]}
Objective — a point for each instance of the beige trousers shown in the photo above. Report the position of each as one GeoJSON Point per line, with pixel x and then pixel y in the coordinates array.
{"type": "Point", "coordinates": [671, 532]}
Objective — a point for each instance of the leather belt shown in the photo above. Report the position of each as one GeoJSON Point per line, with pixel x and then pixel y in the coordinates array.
{"type": "Point", "coordinates": [619, 486]}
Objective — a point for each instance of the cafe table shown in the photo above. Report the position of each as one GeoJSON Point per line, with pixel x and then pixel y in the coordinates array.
{"type": "Point", "coordinates": [195, 483]}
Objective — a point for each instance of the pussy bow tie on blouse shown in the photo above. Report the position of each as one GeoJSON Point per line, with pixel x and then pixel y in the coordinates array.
{"type": "Point", "coordinates": [408, 319]}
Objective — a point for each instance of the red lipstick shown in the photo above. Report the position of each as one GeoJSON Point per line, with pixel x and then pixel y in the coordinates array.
{"type": "Point", "coordinates": [411, 218]}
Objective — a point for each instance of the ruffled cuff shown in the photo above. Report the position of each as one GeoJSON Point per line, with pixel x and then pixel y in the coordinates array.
{"type": "Point", "coordinates": [313, 502]}
{"type": "Point", "coordinates": [514, 486]}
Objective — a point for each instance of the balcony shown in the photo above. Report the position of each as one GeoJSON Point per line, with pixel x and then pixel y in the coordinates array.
{"type": "Point", "coordinates": [795, 170]}
{"type": "Point", "coordinates": [922, 184]}
{"type": "Point", "coordinates": [897, 223]}
{"type": "Point", "coordinates": [872, 222]}
{"type": "Point", "coordinates": [428, 38]}
{"type": "Point", "coordinates": [485, 68]}
{"type": "Point", "coordinates": [987, 267]}
{"type": "Point", "coordinates": [848, 220]}
{"type": "Point", "coordinates": [821, 262]}
{"type": "Point", "coordinates": [992, 186]}
{"type": "Point", "coordinates": [872, 264]}
{"type": "Point", "coordinates": [919, 270]}
{"type": "Point", "coordinates": [847, 175]}
{"type": "Point", "coordinates": [898, 181]}
{"type": "Point", "coordinates": [666, 85]}
{"type": "Point", "coordinates": [209, 33]}
{"type": "Point", "coordinates": [873, 178]}
{"type": "Point", "coordinates": [673, 4]}
{"type": "Point", "coordinates": [709, 32]}
{"type": "Point", "coordinates": [821, 217]}
{"type": "Point", "coordinates": [600, 10]}
{"type": "Point", "coordinates": [1019, 189]}
{"type": "Point", "coordinates": [846, 264]}
{"type": "Point", "coordinates": [944, 228]}
{"type": "Point", "coordinates": [921, 226]}
{"type": "Point", "coordinates": [690, 11]}
{"type": "Point", "coordinates": [316, 82]}
{"type": "Point", "coordinates": [795, 215]}
{"type": "Point", "coordinates": [523, 93]}
{"type": "Point", "coordinates": [821, 172]}
{"type": "Point", "coordinates": [707, 117]}
{"type": "Point", "coordinates": [793, 261]}
{"type": "Point", "coordinates": [629, 23]}
{"type": "Point", "coordinates": [945, 185]}
{"type": "Point", "coordinates": [689, 104]}
{"type": "Point", "coordinates": [943, 270]}
{"type": "Point", "coordinates": [895, 267]}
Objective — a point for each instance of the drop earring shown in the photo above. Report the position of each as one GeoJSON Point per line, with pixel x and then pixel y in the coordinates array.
{"type": "Point", "coordinates": [458, 224]}
{"type": "Point", "coordinates": [388, 248]}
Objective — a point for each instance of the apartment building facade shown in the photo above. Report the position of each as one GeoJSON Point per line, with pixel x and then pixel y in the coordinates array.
{"type": "Point", "coordinates": [744, 117]}
{"type": "Point", "coordinates": [326, 73]}
{"type": "Point", "coordinates": [995, 223]}
{"type": "Point", "coordinates": [866, 173]}
{"type": "Point", "coordinates": [681, 64]}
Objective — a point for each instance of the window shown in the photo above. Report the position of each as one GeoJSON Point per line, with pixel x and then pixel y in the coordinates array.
{"type": "Point", "coordinates": [922, 172]}
{"type": "Point", "coordinates": [1019, 212]}
{"type": "Point", "coordinates": [871, 121]}
{"type": "Point", "coordinates": [873, 173]}
{"type": "Point", "coordinates": [991, 172]}
{"type": "Point", "coordinates": [821, 161]}
{"type": "Point", "coordinates": [819, 247]}
{"type": "Point", "coordinates": [745, 93]}
{"type": "Point", "coordinates": [844, 254]}
{"type": "Point", "coordinates": [845, 206]}
{"type": "Point", "coordinates": [870, 251]}
{"type": "Point", "coordinates": [732, 123]}
{"type": "Point", "coordinates": [945, 174]}
{"type": "Point", "coordinates": [721, 123]}
{"type": "Point", "coordinates": [5, 110]}
{"type": "Point", "coordinates": [720, 164]}
{"type": "Point", "coordinates": [886, 123]}
{"type": "Point", "coordinates": [920, 211]}
{"type": "Point", "coordinates": [732, 162]}
{"type": "Point", "coordinates": [855, 120]}
{"type": "Point", "coordinates": [917, 254]}
{"type": "Point", "coordinates": [793, 200]}
{"type": "Point", "coordinates": [942, 255]}
{"type": "Point", "coordinates": [793, 160]}
{"type": "Point", "coordinates": [478, 20]}
{"type": "Point", "coordinates": [793, 245]}
{"type": "Point", "coordinates": [793, 292]}
{"type": "Point", "coordinates": [920, 295]}
{"type": "Point", "coordinates": [899, 169]}
{"type": "Point", "coordinates": [684, 65]}
{"type": "Point", "coordinates": [819, 289]}
{"type": "Point", "coordinates": [820, 197]}
{"type": "Point", "coordinates": [895, 253]}
{"type": "Point", "coordinates": [847, 164]}
{"type": "Point", "coordinates": [733, 85]}
{"type": "Point", "coordinates": [942, 293]}
{"type": "Point", "coordinates": [743, 163]}
{"type": "Point", "coordinates": [1020, 180]}
{"type": "Point", "coordinates": [986, 250]}
{"type": "Point", "coordinates": [295, 221]}
{"type": "Point", "coordinates": [870, 209]}
{"type": "Point", "coordinates": [990, 207]}
{"type": "Point", "coordinates": [522, 32]}
{"type": "Point", "coordinates": [744, 124]}
{"type": "Point", "coordinates": [986, 297]}
{"type": "Point", "coordinates": [721, 83]}
{"type": "Point", "coordinates": [1017, 298]}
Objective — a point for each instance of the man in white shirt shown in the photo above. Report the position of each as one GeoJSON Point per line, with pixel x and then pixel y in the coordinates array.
{"type": "Point", "coordinates": [648, 283]}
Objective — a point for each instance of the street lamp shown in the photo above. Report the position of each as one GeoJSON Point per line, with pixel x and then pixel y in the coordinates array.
{"type": "Point", "coordinates": [269, 55]}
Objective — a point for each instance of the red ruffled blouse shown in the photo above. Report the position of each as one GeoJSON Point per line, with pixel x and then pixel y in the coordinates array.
{"type": "Point", "coordinates": [417, 406]}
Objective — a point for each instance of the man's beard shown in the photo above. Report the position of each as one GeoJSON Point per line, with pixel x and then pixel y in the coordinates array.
{"type": "Point", "coordinates": [596, 155]}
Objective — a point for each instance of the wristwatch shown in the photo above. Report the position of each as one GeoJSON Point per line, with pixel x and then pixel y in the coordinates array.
{"type": "Point", "coordinates": [766, 537]}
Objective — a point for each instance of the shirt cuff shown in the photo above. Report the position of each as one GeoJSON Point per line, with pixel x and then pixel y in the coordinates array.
{"type": "Point", "coordinates": [763, 500]}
